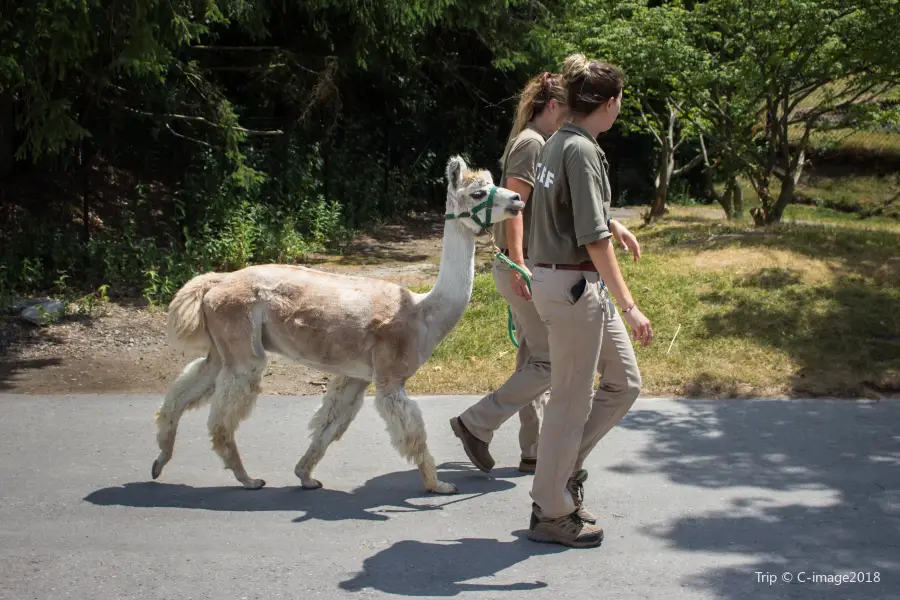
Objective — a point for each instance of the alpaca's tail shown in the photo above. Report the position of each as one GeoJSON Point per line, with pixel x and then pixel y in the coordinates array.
{"type": "Point", "coordinates": [186, 325]}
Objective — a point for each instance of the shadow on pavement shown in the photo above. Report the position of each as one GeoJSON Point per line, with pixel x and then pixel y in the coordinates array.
{"type": "Point", "coordinates": [374, 501]}
{"type": "Point", "coordinates": [814, 487]}
{"type": "Point", "coordinates": [413, 568]}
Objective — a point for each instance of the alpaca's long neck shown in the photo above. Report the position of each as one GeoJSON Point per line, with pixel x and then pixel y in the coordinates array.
{"type": "Point", "coordinates": [445, 304]}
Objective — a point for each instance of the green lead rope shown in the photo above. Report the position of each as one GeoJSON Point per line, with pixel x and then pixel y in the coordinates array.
{"type": "Point", "coordinates": [510, 326]}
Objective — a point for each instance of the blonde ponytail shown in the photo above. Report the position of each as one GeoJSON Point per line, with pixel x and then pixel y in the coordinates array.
{"type": "Point", "coordinates": [533, 98]}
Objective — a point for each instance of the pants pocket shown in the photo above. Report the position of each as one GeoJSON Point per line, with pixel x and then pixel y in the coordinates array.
{"type": "Point", "coordinates": [577, 290]}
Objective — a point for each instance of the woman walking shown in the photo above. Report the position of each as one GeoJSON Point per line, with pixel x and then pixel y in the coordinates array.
{"type": "Point", "coordinates": [540, 112]}
{"type": "Point", "coordinates": [574, 272]}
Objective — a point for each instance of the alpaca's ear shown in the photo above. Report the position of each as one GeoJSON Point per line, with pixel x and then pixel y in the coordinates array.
{"type": "Point", "coordinates": [455, 168]}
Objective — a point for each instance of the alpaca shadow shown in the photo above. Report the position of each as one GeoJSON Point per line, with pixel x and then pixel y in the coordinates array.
{"type": "Point", "coordinates": [413, 568]}
{"type": "Point", "coordinates": [376, 500]}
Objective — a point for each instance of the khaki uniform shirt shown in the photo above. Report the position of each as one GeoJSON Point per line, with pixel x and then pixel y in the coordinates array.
{"type": "Point", "coordinates": [571, 198]}
{"type": "Point", "coordinates": [521, 158]}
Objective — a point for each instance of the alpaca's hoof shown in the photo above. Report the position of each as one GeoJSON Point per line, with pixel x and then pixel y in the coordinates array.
{"type": "Point", "coordinates": [254, 484]}
{"type": "Point", "coordinates": [310, 484]}
{"type": "Point", "coordinates": [444, 488]}
{"type": "Point", "coordinates": [156, 471]}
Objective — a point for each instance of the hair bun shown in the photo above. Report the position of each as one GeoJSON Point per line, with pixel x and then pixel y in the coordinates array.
{"type": "Point", "coordinates": [575, 67]}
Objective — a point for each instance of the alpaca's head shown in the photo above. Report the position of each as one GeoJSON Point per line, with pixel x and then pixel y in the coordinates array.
{"type": "Point", "coordinates": [475, 200]}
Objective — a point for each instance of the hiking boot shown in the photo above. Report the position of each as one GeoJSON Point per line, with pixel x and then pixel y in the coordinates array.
{"type": "Point", "coordinates": [476, 450]}
{"type": "Point", "coordinates": [568, 530]}
{"type": "Point", "coordinates": [528, 465]}
{"type": "Point", "coordinates": [576, 489]}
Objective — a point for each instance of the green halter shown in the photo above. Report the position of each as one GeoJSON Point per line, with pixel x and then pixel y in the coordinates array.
{"type": "Point", "coordinates": [473, 214]}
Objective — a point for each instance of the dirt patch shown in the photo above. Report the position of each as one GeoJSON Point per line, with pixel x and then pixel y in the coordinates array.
{"type": "Point", "coordinates": [752, 260]}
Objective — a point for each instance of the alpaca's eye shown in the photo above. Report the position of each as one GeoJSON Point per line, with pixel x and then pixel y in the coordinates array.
{"type": "Point", "coordinates": [479, 194]}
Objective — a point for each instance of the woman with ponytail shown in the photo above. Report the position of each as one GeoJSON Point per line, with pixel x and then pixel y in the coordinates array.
{"type": "Point", "coordinates": [574, 272]}
{"type": "Point", "coordinates": [540, 112]}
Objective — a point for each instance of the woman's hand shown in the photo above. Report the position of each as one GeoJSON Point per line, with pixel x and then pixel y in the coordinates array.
{"type": "Point", "coordinates": [626, 238]}
{"type": "Point", "coordinates": [519, 285]}
{"type": "Point", "coordinates": [640, 326]}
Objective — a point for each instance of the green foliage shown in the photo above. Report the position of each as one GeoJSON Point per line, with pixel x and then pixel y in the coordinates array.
{"type": "Point", "coordinates": [247, 132]}
{"type": "Point", "coordinates": [144, 142]}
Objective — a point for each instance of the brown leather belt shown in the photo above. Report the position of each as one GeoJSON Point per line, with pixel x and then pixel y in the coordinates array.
{"type": "Point", "coordinates": [585, 266]}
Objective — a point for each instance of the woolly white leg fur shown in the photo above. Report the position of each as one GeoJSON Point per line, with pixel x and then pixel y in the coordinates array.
{"type": "Point", "coordinates": [232, 402]}
{"type": "Point", "coordinates": [407, 430]}
{"type": "Point", "coordinates": [190, 390]}
{"type": "Point", "coordinates": [342, 402]}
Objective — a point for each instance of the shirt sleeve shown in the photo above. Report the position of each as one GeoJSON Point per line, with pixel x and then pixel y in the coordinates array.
{"type": "Point", "coordinates": [586, 177]}
{"type": "Point", "coordinates": [522, 160]}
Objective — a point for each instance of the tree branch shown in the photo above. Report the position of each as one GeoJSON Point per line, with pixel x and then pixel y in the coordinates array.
{"type": "Point", "coordinates": [813, 114]}
{"type": "Point", "coordinates": [177, 117]}
{"type": "Point", "coordinates": [647, 123]}
{"type": "Point", "coordinates": [673, 113]}
{"type": "Point", "coordinates": [693, 163]}
{"type": "Point", "coordinates": [190, 139]}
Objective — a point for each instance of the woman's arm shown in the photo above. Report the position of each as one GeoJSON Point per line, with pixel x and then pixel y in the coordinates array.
{"type": "Point", "coordinates": [626, 238]}
{"type": "Point", "coordinates": [603, 256]}
{"type": "Point", "coordinates": [514, 226]}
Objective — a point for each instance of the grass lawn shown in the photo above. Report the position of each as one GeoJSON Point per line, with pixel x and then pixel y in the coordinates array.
{"type": "Point", "coordinates": [796, 309]}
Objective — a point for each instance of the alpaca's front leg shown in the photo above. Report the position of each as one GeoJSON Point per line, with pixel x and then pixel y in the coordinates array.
{"type": "Point", "coordinates": [407, 431]}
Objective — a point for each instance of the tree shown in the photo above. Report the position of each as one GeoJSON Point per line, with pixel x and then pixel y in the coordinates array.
{"type": "Point", "coordinates": [776, 68]}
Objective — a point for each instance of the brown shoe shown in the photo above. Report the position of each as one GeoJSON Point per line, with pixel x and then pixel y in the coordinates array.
{"type": "Point", "coordinates": [476, 450]}
{"type": "Point", "coordinates": [569, 530]}
{"type": "Point", "coordinates": [528, 465]}
{"type": "Point", "coordinates": [576, 489]}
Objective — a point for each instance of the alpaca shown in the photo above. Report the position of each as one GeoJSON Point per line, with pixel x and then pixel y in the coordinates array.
{"type": "Point", "coordinates": [360, 329]}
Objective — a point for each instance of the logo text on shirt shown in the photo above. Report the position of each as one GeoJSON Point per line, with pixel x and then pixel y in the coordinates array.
{"type": "Point", "coordinates": [545, 177]}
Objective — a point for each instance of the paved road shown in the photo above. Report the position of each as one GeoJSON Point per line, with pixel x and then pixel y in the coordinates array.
{"type": "Point", "coordinates": [696, 498]}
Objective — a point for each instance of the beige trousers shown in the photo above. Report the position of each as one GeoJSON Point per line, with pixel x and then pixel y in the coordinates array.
{"type": "Point", "coordinates": [524, 391]}
{"type": "Point", "coordinates": [585, 335]}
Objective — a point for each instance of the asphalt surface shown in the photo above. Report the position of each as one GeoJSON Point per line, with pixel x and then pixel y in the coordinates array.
{"type": "Point", "coordinates": [698, 499]}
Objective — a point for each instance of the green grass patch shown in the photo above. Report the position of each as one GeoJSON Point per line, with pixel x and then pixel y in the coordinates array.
{"type": "Point", "coordinates": [796, 309]}
{"type": "Point", "coordinates": [853, 200]}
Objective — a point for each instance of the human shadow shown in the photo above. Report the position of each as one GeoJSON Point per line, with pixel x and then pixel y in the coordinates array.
{"type": "Point", "coordinates": [814, 486]}
{"type": "Point", "coordinates": [376, 500]}
{"type": "Point", "coordinates": [414, 568]}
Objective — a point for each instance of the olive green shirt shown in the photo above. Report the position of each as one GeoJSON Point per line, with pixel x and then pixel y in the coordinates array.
{"type": "Point", "coordinates": [571, 198]}
{"type": "Point", "coordinates": [520, 160]}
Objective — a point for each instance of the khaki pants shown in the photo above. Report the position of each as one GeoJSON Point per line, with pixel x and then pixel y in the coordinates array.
{"type": "Point", "coordinates": [524, 391]}
{"type": "Point", "coordinates": [585, 335]}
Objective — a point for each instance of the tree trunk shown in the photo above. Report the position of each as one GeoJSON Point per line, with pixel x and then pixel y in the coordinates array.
{"type": "Point", "coordinates": [663, 179]}
{"type": "Point", "coordinates": [737, 199]}
{"type": "Point", "coordinates": [731, 198]}
{"type": "Point", "coordinates": [785, 196]}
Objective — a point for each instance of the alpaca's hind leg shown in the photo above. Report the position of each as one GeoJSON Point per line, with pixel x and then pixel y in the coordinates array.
{"type": "Point", "coordinates": [189, 390]}
{"type": "Point", "coordinates": [341, 404]}
{"type": "Point", "coordinates": [232, 402]}
{"type": "Point", "coordinates": [407, 430]}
